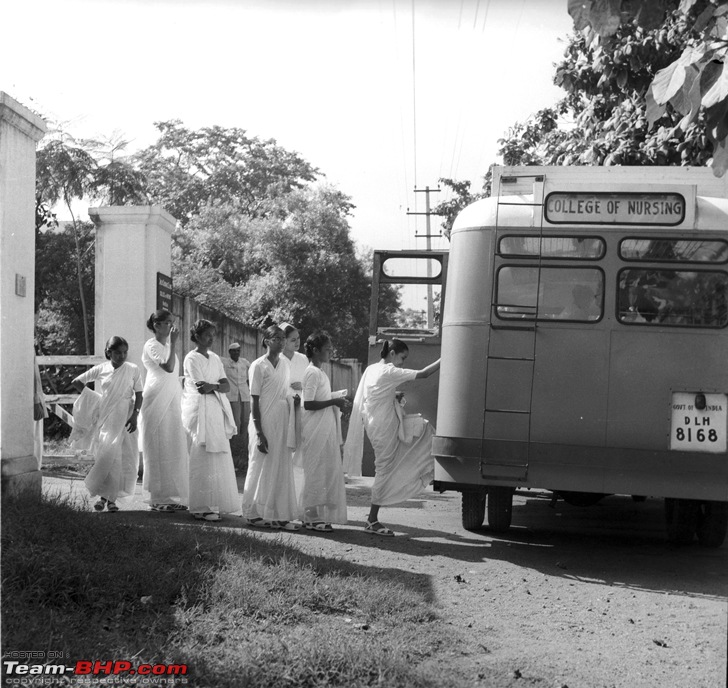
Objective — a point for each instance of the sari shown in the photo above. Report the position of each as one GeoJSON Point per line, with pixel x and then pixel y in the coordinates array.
{"type": "Point", "coordinates": [209, 423]}
{"type": "Point", "coordinates": [164, 444]}
{"type": "Point", "coordinates": [115, 450]}
{"type": "Point", "coordinates": [403, 465]}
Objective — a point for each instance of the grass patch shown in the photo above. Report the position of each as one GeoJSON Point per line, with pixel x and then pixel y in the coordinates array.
{"type": "Point", "coordinates": [239, 609]}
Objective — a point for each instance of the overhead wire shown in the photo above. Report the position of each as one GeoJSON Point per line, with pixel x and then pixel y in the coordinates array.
{"type": "Point", "coordinates": [402, 138]}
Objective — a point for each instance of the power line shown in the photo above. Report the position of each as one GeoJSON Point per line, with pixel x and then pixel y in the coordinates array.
{"type": "Point", "coordinates": [414, 95]}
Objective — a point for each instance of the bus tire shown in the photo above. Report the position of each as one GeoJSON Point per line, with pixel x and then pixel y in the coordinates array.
{"type": "Point", "coordinates": [681, 520]}
{"type": "Point", "coordinates": [712, 523]}
{"type": "Point", "coordinates": [500, 507]}
{"type": "Point", "coordinates": [473, 509]}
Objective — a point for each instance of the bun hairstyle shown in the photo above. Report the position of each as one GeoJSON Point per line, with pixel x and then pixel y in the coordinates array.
{"type": "Point", "coordinates": [199, 327]}
{"type": "Point", "coordinates": [156, 317]}
{"type": "Point", "coordinates": [271, 332]}
{"type": "Point", "coordinates": [396, 345]}
{"type": "Point", "coordinates": [315, 341]}
{"type": "Point", "coordinates": [287, 328]}
{"type": "Point", "coordinates": [113, 344]}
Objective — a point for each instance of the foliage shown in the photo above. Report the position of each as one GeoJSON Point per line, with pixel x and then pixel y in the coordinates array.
{"type": "Point", "coordinates": [689, 87]}
{"type": "Point", "coordinates": [603, 120]}
{"type": "Point", "coordinates": [67, 170]}
{"type": "Point", "coordinates": [187, 170]}
{"type": "Point", "coordinates": [296, 263]}
{"type": "Point", "coordinates": [253, 236]}
{"type": "Point", "coordinates": [59, 316]}
{"type": "Point", "coordinates": [462, 197]}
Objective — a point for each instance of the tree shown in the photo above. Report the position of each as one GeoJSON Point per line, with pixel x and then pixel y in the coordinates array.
{"type": "Point", "coordinates": [297, 262]}
{"type": "Point", "coordinates": [187, 170]}
{"type": "Point", "coordinates": [60, 315]}
{"type": "Point", "coordinates": [68, 170]}
{"type": "Point", "coordinates": [692, 88]}
{"type": "Point", "coordinates": [462, 197]}
{"type": "Point", "coordinates": [603, 118]}
{"type": "Point", "coordinates": [65, 172]}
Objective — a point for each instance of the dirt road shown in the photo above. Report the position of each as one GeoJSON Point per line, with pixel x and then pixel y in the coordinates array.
{"type": "Point", "coordinates": [580, 597]}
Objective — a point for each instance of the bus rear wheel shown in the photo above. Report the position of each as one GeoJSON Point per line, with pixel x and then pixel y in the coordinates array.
{"type": "Point", "coordinates": [500, 507]}
{"type": "Point", "coordinates": [473, 509]}
{"type": "Point", "coordinates": [681, 520]}
{"type": "Point", "coordinates": [712, 523]}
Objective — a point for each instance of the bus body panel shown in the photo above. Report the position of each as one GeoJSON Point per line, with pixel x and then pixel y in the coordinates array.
{"type": "Point", "coordinates": [574, 406]}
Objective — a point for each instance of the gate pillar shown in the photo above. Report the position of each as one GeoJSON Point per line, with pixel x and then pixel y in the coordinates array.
{"type": "Point", "coordinates": [133, 244]}
{"type": "Point", "coordinates": [20, 130]}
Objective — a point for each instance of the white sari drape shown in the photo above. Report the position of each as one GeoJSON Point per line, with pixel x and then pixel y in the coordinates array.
{"type": "Point", "coordinates": [402, 469]}
{"type": "Point", "coordinates": [323, 484]}
{"type": "Point", "coordinates": [164, 444]}
{"type": "Point", "coordinates": [115, 449]}
{"type": "Point", "coordinates": [269, 485]}
{"type": "Point", "coordinates": [209, 423]}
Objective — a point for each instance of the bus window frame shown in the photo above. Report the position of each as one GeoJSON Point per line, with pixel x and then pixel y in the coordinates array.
{"type": "Point", "coordinates": [535, 256]}
{"type": "Point", "coordinates": [535, 318]}
{"type": "Point", "coordinates": [665, 261]}
{"type": "Point", "coordinates": [644, 266]}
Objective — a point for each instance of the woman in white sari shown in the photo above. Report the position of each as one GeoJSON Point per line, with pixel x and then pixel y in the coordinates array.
{"type": "Point", "coordinates": [208, 420]}
{"type": "Point", "coordinates": [323, 497]}
{"type": "Point", "coordinates": [403, 465]}
{"type": "Point", "coordinates": [164, 444]}
{"type": "Point", "coordinates": [269, 497]}
{"type": "Point", "coordinates": [116, 403]}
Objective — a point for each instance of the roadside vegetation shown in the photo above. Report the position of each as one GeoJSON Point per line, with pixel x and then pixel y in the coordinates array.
{"type": "Point", "coordinates": [238, 609]}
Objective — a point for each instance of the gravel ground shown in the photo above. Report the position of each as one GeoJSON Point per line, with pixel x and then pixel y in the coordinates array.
{"type": "Point", "coordinates": [569, 597]}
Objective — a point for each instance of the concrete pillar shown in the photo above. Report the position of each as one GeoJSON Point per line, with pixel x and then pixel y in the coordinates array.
{"type": "Point", "coordinates": [20, 130]}
{"type": "Point", "coordinates": [133, 244]}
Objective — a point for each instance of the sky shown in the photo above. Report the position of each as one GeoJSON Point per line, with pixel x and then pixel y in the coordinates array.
{"type": "Point", "coordinates": [383, 96]}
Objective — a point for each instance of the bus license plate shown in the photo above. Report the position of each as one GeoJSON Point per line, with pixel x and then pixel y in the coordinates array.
{"type": "Point", "coordinates": [698, 430]}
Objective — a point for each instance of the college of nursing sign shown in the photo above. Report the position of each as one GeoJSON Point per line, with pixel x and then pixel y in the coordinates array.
{"type": "Point", "coordinates": [609, 208]}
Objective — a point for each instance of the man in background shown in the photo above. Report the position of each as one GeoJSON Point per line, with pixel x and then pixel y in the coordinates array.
{"type": "Point", "coordinates": [236, 371]}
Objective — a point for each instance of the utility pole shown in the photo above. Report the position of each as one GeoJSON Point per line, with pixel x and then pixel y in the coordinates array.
{"type": "Point", "coordinates": [428, 235]}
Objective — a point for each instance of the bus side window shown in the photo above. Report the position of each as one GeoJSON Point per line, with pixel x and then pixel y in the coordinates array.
{"type": "Point", "coordinates": [673, 297]}
{"type": "Point", "coordinates": [559, 293]}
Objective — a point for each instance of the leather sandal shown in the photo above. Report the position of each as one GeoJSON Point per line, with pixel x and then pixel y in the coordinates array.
{"type": "Point", "coordinates": [285, 525]}
{"type": "Point", "coordinates": [382, 531]}
{"type": "Point", "coordinates": [207, 516]}
{"type": "Point", "coordinates": [111, 506]}
{"type": "Point", "coordinates": [319, 526]}
{"type": "Point", "coordinates": [257, 522]}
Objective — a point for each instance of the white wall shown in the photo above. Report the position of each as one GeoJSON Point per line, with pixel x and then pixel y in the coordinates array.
{"type": "Point", "coordinates": [20, 129]}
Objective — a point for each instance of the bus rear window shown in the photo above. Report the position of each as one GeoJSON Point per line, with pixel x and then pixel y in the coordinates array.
{"type": "Point", "coordinates": [563, 247]}
{"type": "Point", "coordinates": [673, 298]}
{"type": "Point", "coordinates": [674, 250]}
{"type": "Point", "coordinates": [573, 294]}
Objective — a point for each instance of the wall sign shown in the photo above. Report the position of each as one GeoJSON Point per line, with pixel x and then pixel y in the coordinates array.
{"type": "Point", "coordinates": [164, 292]}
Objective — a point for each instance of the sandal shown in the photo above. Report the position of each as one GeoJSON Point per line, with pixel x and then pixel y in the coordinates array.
{"type": "Point", "coordinates": [318, 526]}
{"type": "Point", "coordinates": [257, 522]}
{"type": "Point", "coordinates": [285, 525]}
{"type": "Point", "coordinates": [111, 506]}
{"type": "Point", "coordinates": [382, 530]}
{"type": "Point", "coordinates": [100, 504]}
{"type": "Point", "coordinates": [207, 516]}
{"type": "Point", "coordinates": [166, 508]}
{"type": "Point", "coordinates": [177, 507]}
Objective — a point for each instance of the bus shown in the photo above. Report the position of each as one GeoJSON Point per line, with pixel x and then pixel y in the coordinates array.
{"type": "Point", "coordinates": [584, 344]}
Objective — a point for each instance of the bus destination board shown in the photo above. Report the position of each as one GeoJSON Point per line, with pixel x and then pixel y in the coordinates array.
{"type": "Point", "coordinates": [622, 208]}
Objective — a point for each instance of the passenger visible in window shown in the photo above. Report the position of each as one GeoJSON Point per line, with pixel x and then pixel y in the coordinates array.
{"type": "Point", "coordinates": [584, 306]}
